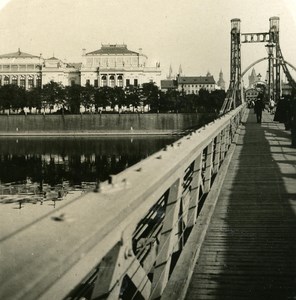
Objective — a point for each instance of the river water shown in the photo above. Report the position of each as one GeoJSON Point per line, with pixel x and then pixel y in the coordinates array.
{"type": "Point", "coordinates": [54, 161]}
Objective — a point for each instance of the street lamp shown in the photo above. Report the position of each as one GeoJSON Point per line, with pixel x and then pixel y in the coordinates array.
{"type": "Point", "coordinates": [259, 77]}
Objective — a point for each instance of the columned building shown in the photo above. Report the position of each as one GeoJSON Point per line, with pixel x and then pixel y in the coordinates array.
{"type": "Point", "coordinates": [116, 65]}
{"type": "Point", "coordinates": [22, 69]}
{"type": "Point", "coordinates": [112, 65]}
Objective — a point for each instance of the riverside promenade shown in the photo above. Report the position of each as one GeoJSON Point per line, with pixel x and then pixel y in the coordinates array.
{"type": "Point", "coordinates": [249, 251]}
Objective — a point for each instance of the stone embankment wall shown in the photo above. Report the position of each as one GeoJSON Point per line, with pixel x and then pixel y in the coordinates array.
{"type": "Point", "coordinates": [99, 124]}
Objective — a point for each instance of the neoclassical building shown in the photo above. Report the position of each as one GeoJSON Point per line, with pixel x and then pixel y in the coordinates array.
{"type": "Point", "coordinates": [20, 68]}
{"type": "Point", "coordinates": [112, 65]}
{"type": "Point", "coordinates": [53, 69]}
{"type": "Point", "coordinates": [116, 65]}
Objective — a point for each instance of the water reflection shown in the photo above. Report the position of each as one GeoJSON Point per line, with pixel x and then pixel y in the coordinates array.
{"type": "Point", "coordinates": [74, 161]}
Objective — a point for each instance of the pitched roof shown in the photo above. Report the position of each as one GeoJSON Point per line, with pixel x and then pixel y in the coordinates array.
{"type": "Point", "coordinates": [196, 80]}
{"type": "Point", "coordinates": [53, 58]}
{"type": "Point", "coordinates": [18, 54]}
{"type": "Point", "coordinates": [168, 84]}
{"type": "Point", "coordinates": [112, 49]}
{"type": "Point", "coordinates": [74, 65]}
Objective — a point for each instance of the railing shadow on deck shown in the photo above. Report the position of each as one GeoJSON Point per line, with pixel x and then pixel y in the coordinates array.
{"type": "Point", "coordinates": [121, 241]}
{"type": "Point", "coordinates": [257, 246]}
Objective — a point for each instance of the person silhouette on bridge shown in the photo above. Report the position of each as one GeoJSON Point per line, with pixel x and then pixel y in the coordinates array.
{"type": "Point", "coordinates": [258, 108]}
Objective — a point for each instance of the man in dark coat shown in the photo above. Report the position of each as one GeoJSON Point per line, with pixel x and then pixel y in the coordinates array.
{"type": "Point", "coordinates": [258, 108]}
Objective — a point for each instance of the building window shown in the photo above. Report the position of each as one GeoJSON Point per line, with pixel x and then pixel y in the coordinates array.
{"type": "Point", "coordinates": [119, 62]}
{"type": "Point", "coordinates": [72, 82]}
{"type": "Point", "coordinates": [96, 83]}
{"type": "Point", "coordinates": [6, 80]}
{"type": "Point", "coordinates": [104, 62]}
{"type": "Point", "coordinates": [111, 81]}
{"type": "Point", "coordinates": [38, 81]}
{"type": "Point", "coordinates": [111, 62]}
{"type": "Point", "coordinates": [30, 83]}
{"type": "Point", "coordinates": [104, 80]}
{"type": "Point", "coordinates": [127, 82]}
{"type": "Point", "coordinates": [23, 82]}
{"type": "Point", "coordinates": [135, 82]}
{"type": "Point", "coordinates": [120, 81]}
{"type": "Point", "coordinates": [14, 80]}
{"type": "Point", "coordinates": [87, 82]}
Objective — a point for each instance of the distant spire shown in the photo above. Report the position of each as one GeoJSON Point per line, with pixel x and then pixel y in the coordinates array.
{"type": "Point", "coordinates": [180, 70]}
{"type": "Point", "coordinates": [19, 51]}
{"type": "Point", "coordinates": [221, 82]}
{"type": "Point", "coordinates": [170, 72]}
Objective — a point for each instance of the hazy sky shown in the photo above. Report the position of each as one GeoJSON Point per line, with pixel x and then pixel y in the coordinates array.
{"type": "Point", "coordinates": [193, 33]}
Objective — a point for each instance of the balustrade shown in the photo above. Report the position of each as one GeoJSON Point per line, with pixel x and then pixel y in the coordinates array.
{"type": "Point", "coordinates": [123, 241]}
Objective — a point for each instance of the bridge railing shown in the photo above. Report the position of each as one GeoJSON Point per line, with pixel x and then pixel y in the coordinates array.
{"type": "Point", "coordinates": [122, 241]}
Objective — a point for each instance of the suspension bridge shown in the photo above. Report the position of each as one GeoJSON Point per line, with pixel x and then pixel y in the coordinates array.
{"type": "Point", "coordinates": [211, 216]}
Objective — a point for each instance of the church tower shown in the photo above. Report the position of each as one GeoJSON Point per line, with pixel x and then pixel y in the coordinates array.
{"type": "Point", "coordinates": [221, 81]}
{"type": "Point", "coordinates": [252, 78]}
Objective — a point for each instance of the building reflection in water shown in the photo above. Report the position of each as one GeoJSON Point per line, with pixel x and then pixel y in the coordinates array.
{"type": "Point", "coordinates": [53, 161]}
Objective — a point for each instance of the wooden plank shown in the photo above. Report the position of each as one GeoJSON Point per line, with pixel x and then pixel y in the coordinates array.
{"type": "Point", "coordinates": [249, 250]}
{"type": "Point", "coordinates": [177, 286]}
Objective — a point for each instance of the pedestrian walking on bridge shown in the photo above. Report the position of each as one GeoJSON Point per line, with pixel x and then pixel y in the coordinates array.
{"type": "Point", "coordinates": [258, 108]}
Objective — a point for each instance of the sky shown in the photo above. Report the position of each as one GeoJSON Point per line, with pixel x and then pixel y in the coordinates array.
{"type": "Point", "coordinates": [192, 33]}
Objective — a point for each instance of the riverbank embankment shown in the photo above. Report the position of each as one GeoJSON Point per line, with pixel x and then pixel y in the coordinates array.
{"type": "Point", "coordinates": [100, 124]}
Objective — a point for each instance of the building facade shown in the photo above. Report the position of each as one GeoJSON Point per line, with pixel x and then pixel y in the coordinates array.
{"type": "Point", "coordinates": [251, 94]}
{"type": "Point", "coordinates": [193, 84]}
{"type": "Point", "coordinates": [116, 65]}
{"type": "Point", "coordinates": [53, 69]}
{"type": "Point", "coordinates": [112, 65]}
{"type": "Point", "coordinates": [22, 69]}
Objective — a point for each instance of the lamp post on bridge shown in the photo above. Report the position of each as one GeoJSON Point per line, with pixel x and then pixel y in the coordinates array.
{"type": "Point", "coordinates": [270, 50]}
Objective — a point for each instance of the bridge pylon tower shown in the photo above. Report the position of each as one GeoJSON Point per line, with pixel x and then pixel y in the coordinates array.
{"type": "Point", "coordinates": [235, 95]}
{"type": "Point", "coordinates": [274, 39]}
{"type": "Point", "coordinates": [235, 60]}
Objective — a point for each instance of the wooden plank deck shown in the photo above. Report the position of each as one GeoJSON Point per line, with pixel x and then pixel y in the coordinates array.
{"type": "Point", "coordinates": [250, 248]}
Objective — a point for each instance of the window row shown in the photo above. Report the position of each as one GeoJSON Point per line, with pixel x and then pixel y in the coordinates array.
{"type": "Point", "coordinates": [112, 62]}
{"type": "Point", "coordinates": [18, 67]}
{"type": "Point", "coordinates": [198, 85]}
{"type": "Point", "coordinates": [111, 82]}
{"type": "Point", "coordinates": [21, 81]}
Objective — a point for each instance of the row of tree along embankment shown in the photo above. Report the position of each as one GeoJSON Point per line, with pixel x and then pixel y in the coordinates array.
{"type": "Point", "coordinates": [101, 124]}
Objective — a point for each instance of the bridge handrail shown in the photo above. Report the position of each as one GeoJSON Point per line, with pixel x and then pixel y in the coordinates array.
{"type": "Point", "coordinates": [97, 239]}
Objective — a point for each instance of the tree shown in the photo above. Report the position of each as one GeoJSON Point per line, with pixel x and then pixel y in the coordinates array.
{"type": "Point", "coordinates": [132, 98]}
{"type": "Point", "coordinates": [33, 98]}
{"type": "Point", "coordinates": [101, 98]}
{"type": "Point", "coordinates": [87, 96]}
{"type": "Point", "coordinates": [150, 94]}
{"type": "Point", "coordinates": [119, 97]}
{"type": "Point", "coordinates": [53, 93]}
{"type": "Point", "coordinates": [73, 93]}
{"type": "Point", "coordinates": [12, 97]}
